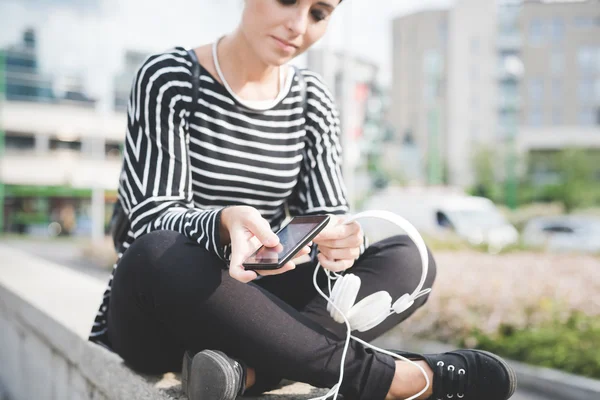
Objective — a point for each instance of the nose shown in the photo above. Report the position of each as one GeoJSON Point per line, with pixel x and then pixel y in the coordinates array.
{"type": "Point", "coordinates": [298, 21]}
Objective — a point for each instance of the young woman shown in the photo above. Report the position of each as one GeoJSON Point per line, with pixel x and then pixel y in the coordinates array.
{"type": "Point", "coordinates": [203, 184]}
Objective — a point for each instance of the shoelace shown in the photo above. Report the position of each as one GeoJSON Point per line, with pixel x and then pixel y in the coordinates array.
{"type": "Point", "coordinates": [452, 383]}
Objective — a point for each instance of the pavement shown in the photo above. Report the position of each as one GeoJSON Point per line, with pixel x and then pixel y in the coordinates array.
{"type": "Point", "coordinates": [67, 252]}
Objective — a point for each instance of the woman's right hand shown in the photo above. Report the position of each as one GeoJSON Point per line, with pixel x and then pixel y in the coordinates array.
{"type": "Point", "coordinates": [247, 230]}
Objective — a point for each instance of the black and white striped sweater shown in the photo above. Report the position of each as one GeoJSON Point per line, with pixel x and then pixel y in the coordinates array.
{"type": "Point", "coordinates": [175, 179]}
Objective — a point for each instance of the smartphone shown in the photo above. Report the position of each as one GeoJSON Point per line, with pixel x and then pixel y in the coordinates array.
{"type": "Point", "coordinates": [293, 236]}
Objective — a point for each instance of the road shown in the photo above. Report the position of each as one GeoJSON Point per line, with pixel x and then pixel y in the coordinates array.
{"type": "Point", "coordinates": [68, 253]}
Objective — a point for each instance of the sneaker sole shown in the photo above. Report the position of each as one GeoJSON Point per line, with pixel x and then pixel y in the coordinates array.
{"type": "Point", "coordinates": [208, 376]}
{"type": "Point", "coordinates": [512, 375]}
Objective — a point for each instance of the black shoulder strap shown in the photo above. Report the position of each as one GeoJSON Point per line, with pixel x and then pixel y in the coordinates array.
{"type": "Point", "coordinates": [195, 81]}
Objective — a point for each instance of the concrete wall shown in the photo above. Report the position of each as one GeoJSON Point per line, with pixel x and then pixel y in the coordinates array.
{"type": "Point", "coordinates": [45, 314]}
{"type": "Point", "coordinates": [46, 311]}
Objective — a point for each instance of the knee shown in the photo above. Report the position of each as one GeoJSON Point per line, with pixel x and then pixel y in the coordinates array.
{"type": "Point", "coordinates": [401, 252]}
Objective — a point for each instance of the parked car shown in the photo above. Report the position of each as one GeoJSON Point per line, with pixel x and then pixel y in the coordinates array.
{"type": "Point", "coordinates": [475, 219]}
{"type": "Point", "coordinates": [565, 233]}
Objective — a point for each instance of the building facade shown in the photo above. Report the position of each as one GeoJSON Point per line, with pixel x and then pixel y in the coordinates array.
{"type": "Point", "coordinates": [515, 76]}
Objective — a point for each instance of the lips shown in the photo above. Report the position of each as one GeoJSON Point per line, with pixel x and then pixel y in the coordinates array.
{"type": "Point", "coordinates": [285, 43]}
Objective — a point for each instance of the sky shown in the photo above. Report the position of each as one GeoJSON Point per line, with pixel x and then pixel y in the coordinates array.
{"type": "Point", "coordinates": [89, 37]}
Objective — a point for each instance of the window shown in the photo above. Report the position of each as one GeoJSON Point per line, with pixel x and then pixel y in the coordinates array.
{"type": "Point", "coordinates": [536, 90]}
{"type": "Point", "coordinates": [558, 229]}
{"type": "Point", "coordinates": [557, 118]}
{"type": "Point", "coordinates": [475, 45]}
{"type": "Point", "coordinates": [507, 120]}
{"type": "Point", "coordinates": [584, 22]}
{"type": "Point", "coordinates": [19, 142]}
{"type": "Point", "coordinates": [112, 150]}
{"type": "Point", "coordinates": [557, 29]}
{"type": "Point", "coordinates": [535, 116]}
{"type": "Point", "coordinates": [442, 32]}
{"type": "Point", "coordinates": [586, 91]}
{"type": "Point", "coordinates": [536, 31]}
{"type": "Point", "coordinates": [587, 59]}
{"type": "Point", "coordinates": [587, 116]}
{"type": "Point", "coordinates": [557, 91]}
{"type": "Point", "coordinates": [443, 221]}
{"type": "Point", "coordinates": [557, 62]}
{"type": "Point", "coordinates": [57, 144]}
{"type": "Point", "coordinates": [597, 91]}
{"type": "Point", "coordinates": [474, 72]}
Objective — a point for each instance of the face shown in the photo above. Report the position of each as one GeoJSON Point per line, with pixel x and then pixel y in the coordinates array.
{"type": "Point", "coordinates": [279, 30]}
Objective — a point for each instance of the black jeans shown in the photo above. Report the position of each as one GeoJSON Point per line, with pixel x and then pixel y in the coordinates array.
{"type": "Point", "coordinates": [170, 295]}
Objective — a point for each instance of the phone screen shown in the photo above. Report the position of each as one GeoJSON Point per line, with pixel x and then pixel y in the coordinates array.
{"type": "Point", "coordinates": [290, 237]}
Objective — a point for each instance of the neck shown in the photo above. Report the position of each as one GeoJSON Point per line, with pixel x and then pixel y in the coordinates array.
{"type": "Point", "coordinates": [240, 64]}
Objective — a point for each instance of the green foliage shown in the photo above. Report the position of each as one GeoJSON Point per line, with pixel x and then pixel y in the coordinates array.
{"type": "Point", "coordinates": [570, 345]}
{"type": "Point", "coordinates": [577, 174]}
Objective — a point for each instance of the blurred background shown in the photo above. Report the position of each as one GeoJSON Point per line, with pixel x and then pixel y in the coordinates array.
{"type": "Point", "coordinates": [476, 120]}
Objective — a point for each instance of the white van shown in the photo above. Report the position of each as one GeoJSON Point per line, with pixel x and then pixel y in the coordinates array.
{"type": "Point", "coordinates": [439, 212]}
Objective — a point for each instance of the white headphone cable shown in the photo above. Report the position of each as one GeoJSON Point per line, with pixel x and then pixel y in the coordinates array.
{"type": "Point", "coordinates": [418, 240]}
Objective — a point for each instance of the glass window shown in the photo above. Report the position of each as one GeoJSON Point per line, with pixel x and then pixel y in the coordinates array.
{"type": "Point", "coordinates": [557, 29]}
{"type": "Point", "coordinates": [443, 32]}
{"type": "Point", "coordinates": [57, 144]}
{"type": "Point", "coordinates": [557, 118]}
{"type": "Point", "coordinates": [557, 90]}
{"type": "Point", "coordinates": [475, 45]}
{"type": "Point", "coordinates": [587, 59]}
{"type": "Point", "coordinates": [19, 142]}
{"type": "Point", "coordinates": [585, 22]}
{"type": "Point", "coordinates": [586, 91]}
{"type": "Point", "coordinates": [587, 116]}
{"type": "Point", "coordinates": [507, 119]}
{"type": "Point", "coordinates": [536, 31]}
{"type": "Point", "coordinates": [535, 116]}
{"type": "Point", "coordinates": [557, 62]}
{"type": "Point", "coordinates": [597, 91]}
{"type": "Point", "coordinates": [536, 90]}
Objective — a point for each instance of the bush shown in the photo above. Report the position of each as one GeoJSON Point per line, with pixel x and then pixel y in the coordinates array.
{"type": "Point", "coordinates": [570, 345]}
{"type": "Point", "coordinates": [537, 308]}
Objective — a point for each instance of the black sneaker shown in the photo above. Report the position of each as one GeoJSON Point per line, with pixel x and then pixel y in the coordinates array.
{"type": "Point", "coordinates": [211, 374]}
{"type": "Point", "coordinates": [468, 375]}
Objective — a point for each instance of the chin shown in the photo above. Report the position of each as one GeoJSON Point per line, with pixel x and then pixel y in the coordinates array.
{"type": "Point", "coordinates": [277, 59]}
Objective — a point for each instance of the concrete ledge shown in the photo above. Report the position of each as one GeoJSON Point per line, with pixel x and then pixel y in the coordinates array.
{"type": "Point", "coordinates": [546, 382]}
{"type": "Point", "coordinates": [46, 312]}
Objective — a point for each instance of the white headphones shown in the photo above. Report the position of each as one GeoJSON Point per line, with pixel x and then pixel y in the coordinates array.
{"type": "Point", "coordinates": [375, 308]}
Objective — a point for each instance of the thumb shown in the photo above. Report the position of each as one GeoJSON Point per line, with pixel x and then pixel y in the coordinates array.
{"type": "Point", "coordinates": [262, 230]}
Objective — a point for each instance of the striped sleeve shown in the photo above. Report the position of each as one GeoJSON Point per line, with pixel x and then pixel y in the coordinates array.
{"type": "Point", "coordinates": [321, 188]}
{"type": "Point", "coordinates": [156, 179]}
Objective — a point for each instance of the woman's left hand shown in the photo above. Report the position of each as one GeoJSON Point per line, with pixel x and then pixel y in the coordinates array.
{"type": "Point", "coordinates": [339, 244]}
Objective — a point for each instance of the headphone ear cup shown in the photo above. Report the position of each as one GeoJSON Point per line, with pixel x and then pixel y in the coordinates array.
{"type": "Point", "coordinates": [403, 303]}
{"type": "Point", "coordinates": [343, 296]}
{"type": "Point", "coordinates": [370, 311]}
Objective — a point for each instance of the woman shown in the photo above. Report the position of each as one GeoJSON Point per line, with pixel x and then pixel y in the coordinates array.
{"type": "Point", "coordinates": [203, 183]}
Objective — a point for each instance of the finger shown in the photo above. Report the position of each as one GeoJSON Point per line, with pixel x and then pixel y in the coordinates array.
{"type": "Point", "coordinates": [287, 267]}
{"type": "Point", "coordinates": [351, 241]}
{"type": "Point", "coordinates": [262, 230]}
{"type": "Point", "coordinates": [302, 256]}
{"type": "Point", "coordinates": [304, 251]}
{"type": "Point", "coordinates": [242, 275]}
{"type": "Point", "coordinates": [348, 253]}
{"type": "Point", "coordinates": [335, 266]}
{"type": "Point", "coordinates": [338, 232]}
